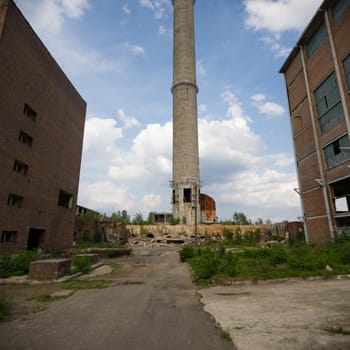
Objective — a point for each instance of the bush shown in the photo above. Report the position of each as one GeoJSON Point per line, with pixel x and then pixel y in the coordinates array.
{"type": "Point", "coordinates": [277, 255]}
{"type": "Point", "coordinates": [98, 236]}
{"type": "Point", "coordinates": [18, 263]}
{"type": "Point", "coordinates": [82, 263]}
{"type": "Point", "coordinates": [187, 252]}
{"type": "Point", "coordinates": [228, 264]}
{"type": "Point", "coordinates": [228, 234]}
{"type": "Point", "coordinates": [205, 266]}
{"type": "Point", "coordinates": [86, 236]}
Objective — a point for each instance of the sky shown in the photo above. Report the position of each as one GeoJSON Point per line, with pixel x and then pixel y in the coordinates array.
{"type": "Point", "coordinates": [118, 55]}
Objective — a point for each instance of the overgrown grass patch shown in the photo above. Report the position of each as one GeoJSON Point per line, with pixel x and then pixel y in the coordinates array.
{"type": "Point", "coordinates": [16, 264]}
{"type": "Point", "coordinates": [90, 284]}
{"type": "Point", "coordinates": [86, 245]}
{"type": "Point", "coordinates": [298, 260]}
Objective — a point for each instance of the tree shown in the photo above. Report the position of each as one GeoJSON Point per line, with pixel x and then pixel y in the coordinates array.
{"type": "Point", "coordinates": [151, 218]}
{"type": "Point", "coordinates": [259, 221]}
{"type": "Point", "coordinates": [241, 219]}
{"type": "Point", "coordinates": [138, 219]}
{"type": "Point", "coordinates": [125, 216]}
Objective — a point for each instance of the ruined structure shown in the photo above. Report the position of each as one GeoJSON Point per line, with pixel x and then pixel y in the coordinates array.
{"type": "Point", "coordinates": [186, 183]}
{"type": "Point", "coordinates": [42, 124]}
{"type": "Point", "coordinates": [317, 75]}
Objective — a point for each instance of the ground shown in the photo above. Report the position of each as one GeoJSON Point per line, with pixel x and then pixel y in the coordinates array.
{"type": "Point", "coordinates": [151, 303]}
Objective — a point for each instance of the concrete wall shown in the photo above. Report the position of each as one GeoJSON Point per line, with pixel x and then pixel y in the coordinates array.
{"type": "Point", "coordinates": [29, 75]}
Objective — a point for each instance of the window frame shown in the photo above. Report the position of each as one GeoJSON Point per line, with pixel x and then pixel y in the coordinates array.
{"type": "Point", "coordinates": [339, 8]}
{"type": "Point", "coordinates": [8, 236]}
{"type": "Point", "coordinates": [338, 157]}
{"type": "Point", "coordinates": [312, 45]}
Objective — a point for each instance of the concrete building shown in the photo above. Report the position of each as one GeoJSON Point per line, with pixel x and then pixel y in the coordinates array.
{"type": "Point", "coordinates": [186, 183]}
{"type": "Point", "coordinates": [42, 124]}
{"type": "Point", "coordinates": [317, 75]}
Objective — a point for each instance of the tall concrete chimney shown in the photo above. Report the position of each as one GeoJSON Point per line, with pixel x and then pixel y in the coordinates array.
{"type": "Point", "coordinates": [186, 183]}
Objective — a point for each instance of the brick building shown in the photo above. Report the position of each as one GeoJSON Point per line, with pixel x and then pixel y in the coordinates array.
{"type": "Point", "coordinates": [42, 124]}
{"type": "Point", "coordinates": [317, 75]}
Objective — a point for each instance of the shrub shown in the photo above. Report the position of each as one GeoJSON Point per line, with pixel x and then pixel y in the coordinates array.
{"type": "Point", "coordinates": [205, 266]}
{"type": "Point", "coordinates": [277, 255]}
{"type": "Point", "coordinates": [18, 263]}
{"type": "Point", "coordinates": [187, 252]}
{"type": "Point", "coordinates": [86, 236]}
{"type": "Point", "coordinates": [98, 236]}
{"type": "Point", "coordinates": [228, 234]}
{"type": "Point", "coordinates": [228, 264]}
{"type": "Point", "coordinates": [82, 263]}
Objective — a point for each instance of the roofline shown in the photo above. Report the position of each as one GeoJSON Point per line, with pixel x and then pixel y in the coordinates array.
{"type": "Point", "coordinates": [315, 21]}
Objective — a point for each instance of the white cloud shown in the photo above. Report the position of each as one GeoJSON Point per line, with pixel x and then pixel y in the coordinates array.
{"type": "Point", "coordinates": [236, 168]}
{"type": "Point", "coordinates": [135, 49]}
{"type": "Point", "coordinates": [270, 109]}
{"type": "Point", "coordinates": [281, 15]}
{"type": "Point", "coordinates": [126, 9]}
{"type": "Point", "coordinates": [128, 122]}
{"type": "Point", "coordinates": [158, 7]}
{"type": "Point", "coordinates": [202, 108]}
{"type": "Point", "coordinates": [162, 30]}
{"type": "Point", "coordinates": [276, 47]}
{"type": "Point", "coordinates": [201, 70]}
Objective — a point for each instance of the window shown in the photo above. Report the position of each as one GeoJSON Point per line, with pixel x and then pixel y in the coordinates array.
{"type": "Point", "coordinates": [316, 40]}
{"type": "Point", "coordinates": [25, 138]}
{"type": "Point", "coordinates": [20, 168]}
{"type": "Point", "coordinates": [14, 200]}
{"type": "Point", "coordinates": [8, 236]}
{"type": "Point", "coordinates": [29, 112]}
{"type": "Point", "coordinates": [187, 195]}
{"type": "Point", "coordinates": [339, 9]}
{"type": "Point", "coordinates": [335, 154]}
{"type": "Point", "coordinates": [65, 199]}
{"type": "Point", "coordinates": [346, 64]}
{"type": "Point", "coordinates": [328, 104]}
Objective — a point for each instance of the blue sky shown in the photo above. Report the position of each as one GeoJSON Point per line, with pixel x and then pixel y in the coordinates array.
{"type": "Point", "coordinates": [118, 54]}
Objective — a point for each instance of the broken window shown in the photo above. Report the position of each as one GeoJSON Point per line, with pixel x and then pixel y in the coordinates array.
{"type": "Point", "coordinates": [65, 199]}
{"type": "Point", "coordinates": [187, 195]}
{"type": "Point", "coordinates": [9, 236]}
{"type": "Point", "coordinates": [336, 152]}
{"type": "Point", "coordinates": [20, 168]}
{"type": "Point", "coordinates": [25, 138]}
{"type": "Point", "coordinates": [316, 40]}
{"type": "Point", "coordinates": [29, 112]}
{"type": "Point", "coordinates": [328, 104]}
{"type": "Point", "coordinates": [14, 200]}
{"type": "Point", "coordinates": [339, 8]}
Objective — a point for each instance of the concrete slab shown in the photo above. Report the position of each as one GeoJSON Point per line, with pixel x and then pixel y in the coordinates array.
{"type": "Point", "coordinates": [286, 315]}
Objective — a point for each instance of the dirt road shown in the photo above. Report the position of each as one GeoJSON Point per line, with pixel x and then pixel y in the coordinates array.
{"type": "Point", "coordinates": [151, 304]}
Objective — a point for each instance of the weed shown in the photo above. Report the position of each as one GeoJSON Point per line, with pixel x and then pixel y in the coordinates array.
{"type": "Point", "coordinates": [82, 263]}
{"type": "Point", "coordinates": [187, 252]}
{"type": "Point", "coordinates": [225, 335]}
{"type": "Point", "coordinates": [16, 264]}
{"type": "Point", "coordinates": [4, 309]}
{"type": "Point", "coordinates": [92, 284]}
{"type": "Point", "coordinates": [336, 330]}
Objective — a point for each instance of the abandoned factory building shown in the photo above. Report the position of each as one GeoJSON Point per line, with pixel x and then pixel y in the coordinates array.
{"type": "Point", "coordinates": [42, 124]}
{"type": "Point", "coordinates": [317, 75]}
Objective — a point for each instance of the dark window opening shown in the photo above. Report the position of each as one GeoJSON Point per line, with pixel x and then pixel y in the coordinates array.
{"type": "Point", "coordinates": [187, 195]}
{"type": "Point", "coordinates": [29, 112]}
{"type": "Point", "coordinates": [35, 238]}
{"type": "Point", "coordinates": [339, 8]}
{"type": "Point", "coordinates": [65, 199]}
{"type": "Point", "coordinates": [337, 152]}
{"type": "Point", "coordinates": [25, 138]}
{"type": "Point", "coordinates": [20, 168]}
{"type": "Point", "coordinates": [173, 197]}
{"type": "Point", "coordinates": [316, 39]}
{"type": "Point", "coordinates": [346, 64]}
{"type": "Point", "coordinates": [8, 236]}
{"type": "Point", "coordinates": [15, 201]}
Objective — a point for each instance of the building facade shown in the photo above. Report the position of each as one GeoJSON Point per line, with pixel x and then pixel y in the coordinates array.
{"type": "Point", "coordinates": [185, 183]}
{"type": "Point", "coordinates": [42, 120]}
{"type": "Point", "coordinates": [317, 76]}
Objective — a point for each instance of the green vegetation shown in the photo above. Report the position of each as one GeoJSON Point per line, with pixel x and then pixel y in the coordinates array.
{"type": "Point", "coordinates": [337, 330]}
{"type": "Point", "coordinates": [4, 309]}
{"type": "Point", "coordinates": [90, 284]}
{"type": "Point", "coordinates": [225, 335]}
{"type": "Point", "coordinates": [16, 264]}
{"type": "Point", "coordinates": [297, 260]}
{"type": "Point", "coordinates": [87, 245]}
{"type": "Point", "coordinates": [82, 263]}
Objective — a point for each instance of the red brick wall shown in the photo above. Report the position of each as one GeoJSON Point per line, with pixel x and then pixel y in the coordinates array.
{"type": "Point", "coordinates": [29, 74]}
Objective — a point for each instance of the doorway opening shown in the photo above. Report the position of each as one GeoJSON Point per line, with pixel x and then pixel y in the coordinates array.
{"type": "Point", "coordinates": [35, 238]}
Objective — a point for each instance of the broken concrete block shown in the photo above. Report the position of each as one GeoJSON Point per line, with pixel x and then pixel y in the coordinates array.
{"type": "Point", "coordinates": [49, 269]}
